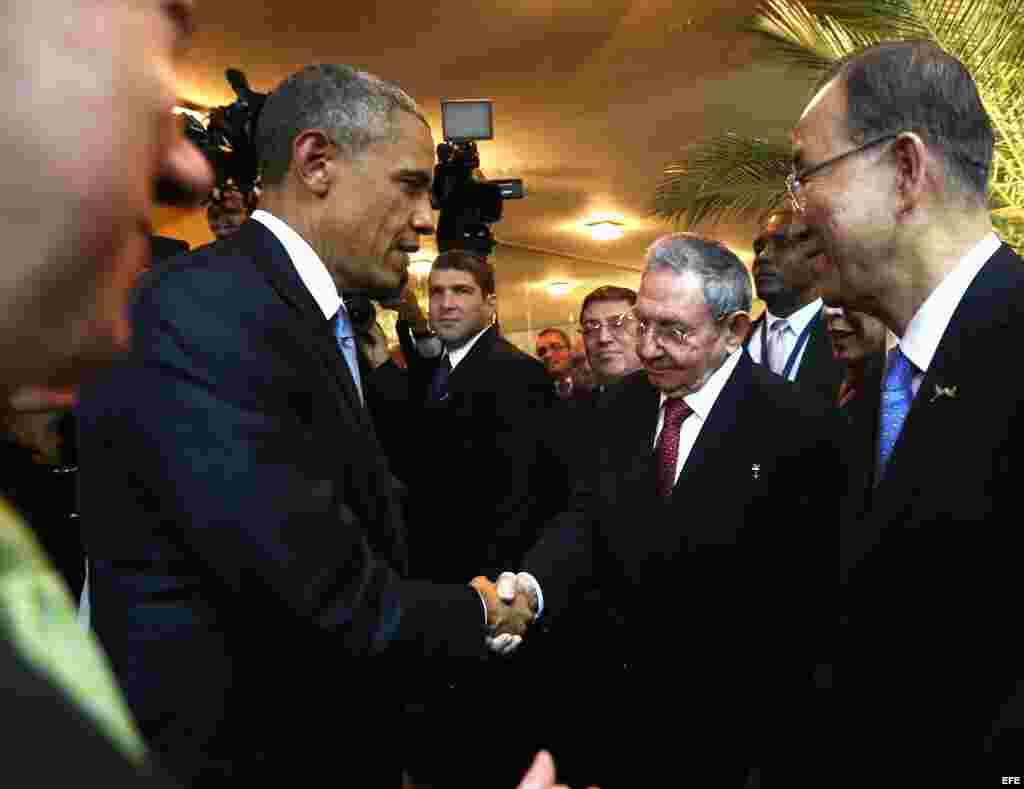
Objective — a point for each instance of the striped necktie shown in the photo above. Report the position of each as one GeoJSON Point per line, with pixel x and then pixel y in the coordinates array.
{"type": "Point", "coordinates": [897, 396]}
{"type": "Point", "coordinates": [347, 345]}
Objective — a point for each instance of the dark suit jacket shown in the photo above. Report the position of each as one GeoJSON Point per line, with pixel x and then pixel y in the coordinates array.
{"type": "Point", "coordinates": [163, 248]}
{"type": "Point", "coordinates": [819, 372]}
{"type": "Point", "coordinates": [244, 527]}
{"type": "Point", "coordinates": [724, 587]}
{"type": "Point", "coordinates": [485, 462]}
{"type": "Point", "coordinates": [930, 566]}
{"type": "Point", "coordinates": [48, 741]}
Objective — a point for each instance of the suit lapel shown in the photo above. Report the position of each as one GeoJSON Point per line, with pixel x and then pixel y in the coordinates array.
{"type": "Point", "coordinates": [818, 368]}
{"type": "Point", "coordinates": [270, 256]}
{"type": "Point", "coordinates": [755, 328]}
{"type": "Point", "coordinates": [463, 376]}
{"type": "Point", "coordinates": [932, 416]}
{"type": "Point", "coordinates": [721, 423]}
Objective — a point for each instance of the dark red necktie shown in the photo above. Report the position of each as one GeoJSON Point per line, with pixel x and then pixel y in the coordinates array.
{"type": "Point", "coordinates": [667, 451]}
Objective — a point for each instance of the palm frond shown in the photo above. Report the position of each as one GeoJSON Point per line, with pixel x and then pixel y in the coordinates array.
{"type": "Point", "coordinates": [715, 180]}
{"type": "Point", "coordinates": [980, 33]}
{"type": "Point", "coordinates": [791, 34]}
{"type": "Point", "coordinates": [722, 178]}
{"type": "Point", "coordinates": [878, 20]}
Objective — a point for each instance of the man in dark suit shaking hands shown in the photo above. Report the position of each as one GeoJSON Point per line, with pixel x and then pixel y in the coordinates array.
{"type": "Point", "coordinates": [262, 549]}
{"type": "Point", "coordinates": [891, 162]}
{"type": "Point", "coordinates": [698, 518]}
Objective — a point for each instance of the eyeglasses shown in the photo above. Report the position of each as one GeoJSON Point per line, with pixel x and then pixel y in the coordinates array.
{"type": "Point", "coordinates": [795, 181]}
{"type": "Point", "coordinates": [668, 335]}
{"type": "Point", "coordinates": [617, 325]}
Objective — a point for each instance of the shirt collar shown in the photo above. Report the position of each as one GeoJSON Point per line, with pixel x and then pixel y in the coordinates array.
{"type": "Point", "coordinates": [925, 330]}
{"type": "Point", "coordinates": [308, 266]}
{"type": "Point", "coordinates": [798, 320]}
{"type": "Point", "coordinates": [458, 354]}
{"type": "Point", "coordinates": [704, 398]}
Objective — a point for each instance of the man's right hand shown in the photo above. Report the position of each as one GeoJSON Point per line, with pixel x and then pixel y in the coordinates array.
{"type": "Point", "coordinates": [511, 586]}
{"type": "Point", "coordinates": [507, 619]}
{"type": "Point", "coordinates": [541, 774]}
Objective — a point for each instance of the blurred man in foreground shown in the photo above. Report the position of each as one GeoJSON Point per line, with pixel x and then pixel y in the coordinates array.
{"type": "Point", "coordinates": [89, 131]}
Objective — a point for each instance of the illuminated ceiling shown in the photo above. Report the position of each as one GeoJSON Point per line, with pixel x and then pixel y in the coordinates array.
{"type": "Point", "coordinates": [591, 101]}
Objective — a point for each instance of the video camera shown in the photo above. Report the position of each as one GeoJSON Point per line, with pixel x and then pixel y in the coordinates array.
{"type": "Point", "coordinates": [469, 203]}
{"type": "Point", "coordinates": [228, 139]}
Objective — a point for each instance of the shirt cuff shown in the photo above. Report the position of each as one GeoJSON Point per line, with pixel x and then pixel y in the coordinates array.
{"type": "Point", "coordinates": [537, 589]}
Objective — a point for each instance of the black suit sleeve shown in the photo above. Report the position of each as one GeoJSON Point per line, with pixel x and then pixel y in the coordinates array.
{"type": "Point", "coordinates": [567, 557]}
{"type": "Point", "coordinates": [49, 742]}
{"type": "Point", "coordinates": [223, 427]}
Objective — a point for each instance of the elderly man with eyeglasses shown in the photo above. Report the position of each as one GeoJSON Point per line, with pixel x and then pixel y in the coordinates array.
{"type": "Point", "coordinates": [697, 514]}
{"type": "Point", "coordinates": [892, 159]}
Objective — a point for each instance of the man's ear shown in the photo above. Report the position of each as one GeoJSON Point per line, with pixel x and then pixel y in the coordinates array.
{"type": "Point", "coordinates": [492, 302]}
{"type": "Point", "coordinates": [312, 152]}
{"type": "Point", "coordinates": [910, 155]}
{"type": "Point", "coordinates": [738, 326]}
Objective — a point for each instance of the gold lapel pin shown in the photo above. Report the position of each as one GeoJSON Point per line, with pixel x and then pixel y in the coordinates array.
{"type": "Point", "coordinates": [944, 391]}
{"type": "Point", "coordinates": [755, 470]}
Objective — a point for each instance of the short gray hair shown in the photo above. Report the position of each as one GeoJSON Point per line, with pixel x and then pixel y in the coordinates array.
{"type": "Point", "coordinates": [725, 279]}
{"type": "Point", "coordinates": [353, 107]}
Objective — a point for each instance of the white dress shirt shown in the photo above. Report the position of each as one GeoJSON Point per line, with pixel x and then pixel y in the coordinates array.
{"type": "Point", "coordinates": [456, 355]}
{"type": "Point", "coordinates": [308, 266]}
{"type": "Point", "coordinates": [797, 323]}
{"type": "Point", "coordinates": [318, 280]}
{"type": "Point", "coordinates": [925, 330]}
{"type": "Point", "coordinates": [701, 402]}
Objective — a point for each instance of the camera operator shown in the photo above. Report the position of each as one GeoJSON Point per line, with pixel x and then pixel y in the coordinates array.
{"type": "Point", "coordinates": [228, 209]}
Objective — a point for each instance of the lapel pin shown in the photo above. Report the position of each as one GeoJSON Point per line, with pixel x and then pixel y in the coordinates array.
{"type": "Point", "coordinates": [755, 471]}
{"type": "Point", "coordinates": [944, 391]}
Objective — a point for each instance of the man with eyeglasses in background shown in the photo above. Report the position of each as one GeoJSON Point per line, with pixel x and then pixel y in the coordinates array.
{"type": "Point", "coordinates": [790, 338]}
{"type": "Point", "coordinates": [609, 334]}
{"type": "Point", "coordinates": [554, 348]}
{"type": "Point", "coordinates": [698, 515]}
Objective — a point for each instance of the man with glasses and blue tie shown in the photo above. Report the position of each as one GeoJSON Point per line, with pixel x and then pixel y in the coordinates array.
{"type": "Point", "coordinates": [698, 516]}
{"type": "Point", "coordinates": [891, 166]}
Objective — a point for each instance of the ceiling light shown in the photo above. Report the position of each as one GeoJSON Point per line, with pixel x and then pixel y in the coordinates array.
{"type": "Point", "coordinates": [559, 288]}
{"type": "Point", "coordinates": [606, 230]}
{"type": "Point", "coordinates": [420, 266]}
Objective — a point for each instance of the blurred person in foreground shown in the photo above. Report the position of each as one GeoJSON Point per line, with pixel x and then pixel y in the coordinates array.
{"type": "Point", "coordinates": [89, 132]}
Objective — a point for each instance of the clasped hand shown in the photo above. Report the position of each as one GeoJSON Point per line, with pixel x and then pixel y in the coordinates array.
{"type": "Point", "coordinates": [511, 605]}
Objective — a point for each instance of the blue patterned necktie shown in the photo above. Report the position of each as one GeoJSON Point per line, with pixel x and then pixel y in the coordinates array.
{"type": "Point", "coordinates": [439, 383]}
{"type": "Point", "coordinates": [347, 344]}
{"type": "Point", "coordinates": [897, 395]}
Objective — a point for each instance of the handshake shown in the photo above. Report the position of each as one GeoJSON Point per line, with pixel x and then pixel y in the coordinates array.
{"type": "Point", "coordinates": [513, 604]}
